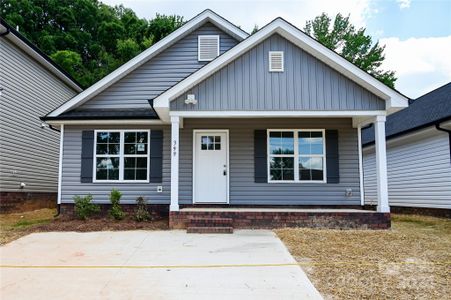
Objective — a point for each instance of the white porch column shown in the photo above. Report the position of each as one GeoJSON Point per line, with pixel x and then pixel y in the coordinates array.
{"type": "Point", "coordinates": [381, 165]}
{"type": "Point", "coordinates": [175, 125]}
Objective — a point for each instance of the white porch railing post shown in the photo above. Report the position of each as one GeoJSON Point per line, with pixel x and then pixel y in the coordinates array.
{"type": "Point", "coordinates": [381, 165]}
{"type": "Point", "coordinates": [175, 125]}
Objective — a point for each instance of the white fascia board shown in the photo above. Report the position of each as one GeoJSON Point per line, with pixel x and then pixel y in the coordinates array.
{"type": "Point", "coordinates": [38, 57]}
{"type": "Point", "coordinates": [144, 56]}
{"type": "Point", "coordinates": [394, 99]}
{"type": "Point", "coordinates": [104, 122]}
{"type": "Point", "coordinates": [275, 114]}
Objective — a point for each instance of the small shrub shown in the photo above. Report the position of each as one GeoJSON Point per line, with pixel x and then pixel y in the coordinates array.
{"type": "Point", "coordinates": [84, 208]}
{"type": "Point", "coordinates": [141, 212]}
{"type": "Point", "coordinates": [116, 209]}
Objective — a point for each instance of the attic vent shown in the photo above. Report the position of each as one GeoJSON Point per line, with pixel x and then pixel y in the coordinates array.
{"type": "Point", "coordinates": [208, 47]}
{"type": "Point", "coordinates": [275, 61]}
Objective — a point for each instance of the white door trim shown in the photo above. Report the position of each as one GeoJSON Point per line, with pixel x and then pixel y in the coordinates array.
{"type": "Point", "coordinates": [226, 131]}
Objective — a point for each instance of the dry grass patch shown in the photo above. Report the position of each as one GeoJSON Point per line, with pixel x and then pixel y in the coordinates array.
{"type": "Point", "coordinates": [16, 225]}
{"type": "Point", "coordinates": [410, 261]}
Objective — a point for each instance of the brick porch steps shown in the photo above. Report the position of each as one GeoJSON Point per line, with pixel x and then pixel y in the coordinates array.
{"type": "Point", "coordinates": [210, 225]}
{"type": "Point", "coordinates": [223, 229]}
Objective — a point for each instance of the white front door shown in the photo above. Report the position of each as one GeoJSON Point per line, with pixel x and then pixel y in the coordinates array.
{"type": "Point", "coordinates": [210, 182]}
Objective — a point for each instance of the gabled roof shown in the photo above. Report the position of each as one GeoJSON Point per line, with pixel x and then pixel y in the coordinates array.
{"type": "Point", "coordinates": [394, 100]}
{"type": "Point", "coordinates": [8, 32]}
{"type": "Point", "coordinates": [187, 28]}
{"type": "Point", "coordinates": [431, 108]}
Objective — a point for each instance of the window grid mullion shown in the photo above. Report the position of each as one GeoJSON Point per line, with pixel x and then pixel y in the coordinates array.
{"type": "Point", "coordinates": [121, 152]}
{"type": "Point", "coordinates": [296, 159]}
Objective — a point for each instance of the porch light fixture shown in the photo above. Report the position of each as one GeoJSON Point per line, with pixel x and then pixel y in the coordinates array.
{"type": "Point", "coordinates": [190, 99]}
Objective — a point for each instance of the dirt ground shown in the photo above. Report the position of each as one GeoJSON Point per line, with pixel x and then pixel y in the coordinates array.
{"type": "Point", "coordinates": [410, 261]}
{"type": "Point", "coordinates": [16, 225]}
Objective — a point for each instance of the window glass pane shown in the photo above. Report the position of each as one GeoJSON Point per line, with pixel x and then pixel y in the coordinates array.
{"type": "Point", "coordinates": [310, 142]}
{"type": "Point", "coordinates": [281, 142]}
{"type": "Point", "coordinates": [311, 168]}
{"type": "Point", "coordinates": [107, 168]}
{"type": "Point", "coordinates": [282, 168]}
{"type": "Point", "coordinates": [135, 142]}
{"type": "Point", "coordinates": [141, 174]}
{"type": "Point", "coordinates": [102, 149]}
{"type": "Point", "coordinates": [129, 174]}
{"type": "Point", "coordinates": [102, 137]}
{"type": "Point", "coordinates": [129, 137]}
{"type": "Point", "coordinates": [114, 137]}
{"type": "Point", "coordinates": [113, 149]}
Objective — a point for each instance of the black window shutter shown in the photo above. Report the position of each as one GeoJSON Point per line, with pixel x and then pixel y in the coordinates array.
{"type": "Point", "coordinates": [333, 170]}
{"type": "Point", "coordinates": [260, 159]}
{"type": "Point", "coordinates": [87, 155]}
{"type": "Point", "coordinates": [156, 156]}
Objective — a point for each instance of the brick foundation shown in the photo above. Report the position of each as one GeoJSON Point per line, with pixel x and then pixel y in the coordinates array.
{"type": "Point", "coordinates": [280, 219]}
{"type": "Point", "coordinates": [425, 211]}
{"type": "Point", "coordinates": [11, 202]}
{"type": "Point", "coordinates": [156, 210]}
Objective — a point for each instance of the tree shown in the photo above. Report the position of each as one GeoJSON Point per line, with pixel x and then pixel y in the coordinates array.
{"type": "Point", "coordinates": [87, 38]}
{"type": "Point", "coordinates": [351, 43]}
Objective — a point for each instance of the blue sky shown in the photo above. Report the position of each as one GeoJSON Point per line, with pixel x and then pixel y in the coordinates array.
{"type": "Point", "coordinates": [416, 33]}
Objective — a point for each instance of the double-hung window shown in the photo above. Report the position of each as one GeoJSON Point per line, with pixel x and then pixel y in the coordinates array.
{"type": "Point", "coordinates": [296, 155]}
{"type": "Point", "coordinates": [121, 155]}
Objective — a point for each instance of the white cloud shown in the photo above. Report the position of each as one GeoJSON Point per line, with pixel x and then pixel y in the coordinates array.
{"type": "Point", "coordinates": [420, 63]}
{"type": "Point", "coordinates": [403, 3]}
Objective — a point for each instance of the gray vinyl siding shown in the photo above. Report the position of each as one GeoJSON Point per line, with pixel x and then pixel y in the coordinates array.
{"type": "Point", "coordinates": [419, 171]}
{"type": "Point", "coordinates": [306, 84]}
{"type": "Point", "coordinates": [159, 74]}
{"type": "Point", "coordinates": [28, 153]}
{"type": "Point", "coordinates": [243, 189]}
{"type": "Point", "coordinates": [72, 186]}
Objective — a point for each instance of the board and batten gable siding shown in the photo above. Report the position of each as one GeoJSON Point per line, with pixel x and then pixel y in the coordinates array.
{"type": "Point", "coordinates": [419, 170]}
{"type": "Point", "coordinates": [28, 153]}
{"type": "Point", "coordinates": [71, 185]}
{"type": "Point", "coordinates": [305, 84]}
{"type": "Point", "coordinates": [159, 73]}
{"type": "Point", "coordinates": [245, 191]}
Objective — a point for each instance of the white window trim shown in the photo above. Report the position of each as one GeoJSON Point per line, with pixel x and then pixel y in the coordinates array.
{"type": "Point", "coordinates": [269, 61]}
{"type": "Point", "coordinates": [198, 46]}
{"type": "Point", "coordinates": [296, 156]}
{"type": "Point", "coordinates": [121, 156]}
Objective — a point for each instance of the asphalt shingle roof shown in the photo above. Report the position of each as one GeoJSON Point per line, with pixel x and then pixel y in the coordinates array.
{"type": "Point", "coordinates": [105, 114]}
{"type": "Point", "coordinates": [426, 110]}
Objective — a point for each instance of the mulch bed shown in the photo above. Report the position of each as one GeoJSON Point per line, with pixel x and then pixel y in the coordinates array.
{"type": "Point", "coordinates": [100, 224]}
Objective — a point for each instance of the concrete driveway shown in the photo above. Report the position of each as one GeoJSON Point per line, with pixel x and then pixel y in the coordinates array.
{"type": "Point", "coordinates": [152, 265]}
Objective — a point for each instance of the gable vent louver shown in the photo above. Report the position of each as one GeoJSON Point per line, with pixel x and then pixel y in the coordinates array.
{"type": "Point", "coordinates": [208, 47]}
{"type": "Point", "coordinates": [276, 61]}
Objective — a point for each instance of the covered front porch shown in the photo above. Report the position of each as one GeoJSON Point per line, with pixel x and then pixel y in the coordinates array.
{"type": "Point", "coordinates": [247, 166]}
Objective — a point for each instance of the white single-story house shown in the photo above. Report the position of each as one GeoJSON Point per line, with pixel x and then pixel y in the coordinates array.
{"type": "Point", "coordinates": [418, 156]}
{"type": "Point", "coordinates": [211, 120]}
{"type": "Point", "coordinates": [31, 85]}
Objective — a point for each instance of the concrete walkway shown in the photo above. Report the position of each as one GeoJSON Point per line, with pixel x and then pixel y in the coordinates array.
{"type": "Point", "coordinates": [188, 266]}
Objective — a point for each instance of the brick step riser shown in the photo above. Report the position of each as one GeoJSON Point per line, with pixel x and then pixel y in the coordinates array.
{"type": "Point", "coordinates": [226, 230]}
{"type": "Point", "coordinates": [210, 222]}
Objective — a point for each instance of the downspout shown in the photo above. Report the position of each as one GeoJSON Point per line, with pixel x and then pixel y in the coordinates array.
{"type": "Point", "coordinates": [437, 126]}
{"type": "Point", "coordinates": [60, 169]}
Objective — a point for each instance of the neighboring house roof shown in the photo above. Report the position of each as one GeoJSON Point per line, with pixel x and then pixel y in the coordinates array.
{"type": "Point", "coordinates": [188, 27]}
{"type": "Point", "coordinates": [427, 110]}
{"type": "Point", "coordinates": [395, 100]}
{"type": "Point", "coordinates": [23, 43]}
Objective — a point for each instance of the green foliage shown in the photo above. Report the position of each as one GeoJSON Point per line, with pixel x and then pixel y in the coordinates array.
{"type": "Point", "coordinates": [116, 210]}
{"type": "Point", "coordinates": [84, 208]}
{"type": "Point", "coordinates": [88, 38]}
{"type": "Point", "coordinates": [141, 212]}
{"type": "Point", "coordinates": [351, 43]}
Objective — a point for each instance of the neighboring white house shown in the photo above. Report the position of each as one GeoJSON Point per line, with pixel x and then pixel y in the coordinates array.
{"type": "Point", "coordinates": [418, 154]}
{"type": "Point", "coordinates": [30, 85]}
